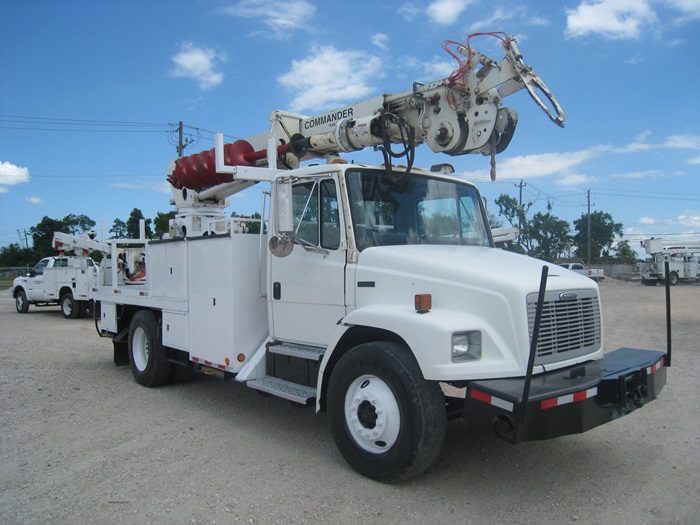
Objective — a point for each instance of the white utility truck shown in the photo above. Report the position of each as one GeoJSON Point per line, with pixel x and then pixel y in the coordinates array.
{"type": "Point", "coordinates": [66, 281]}
{"type": "Point", "coordinates": [597, 274]}
{"type": "Point", "coordinates": [371, 291]}
{"type": "Point", "coordinates": [682, 260]}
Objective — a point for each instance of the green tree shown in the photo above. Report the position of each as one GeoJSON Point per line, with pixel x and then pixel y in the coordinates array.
{"type": "Point", "coordinates": [15, 255]}
{"type": "Point", "coordinates": [516, 215]}
{"type": "Point", "coordinates": [625, 251]}
{"type": "Point", "coordinates": [118, 229]}
{"type": "Point", "coordinates": [132, 225]}
{"type": "Point", "coordinates": [161, 223]}
{"type": "Point", "coordinates": [550, 236]}
{"type": "Point", "coordinates": [77, 224]}
{"type": "Point", "coordinates": [603, 232]}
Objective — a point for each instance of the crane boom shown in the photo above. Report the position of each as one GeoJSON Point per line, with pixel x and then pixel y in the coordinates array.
{"type": "Point", "coordinates": [457, 115]}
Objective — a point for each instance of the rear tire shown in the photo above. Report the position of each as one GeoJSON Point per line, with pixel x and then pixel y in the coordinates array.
{"type": "Point", "coordinates": [70, 308]}
{"type": "Point", "coordinates": [673, 278]}
{"type": "Point", "coordinates": [387, 420]}
{"type": "Point", "coordinates": [147, 356]}
{"type": "Point", "coordinates": [21, 303]}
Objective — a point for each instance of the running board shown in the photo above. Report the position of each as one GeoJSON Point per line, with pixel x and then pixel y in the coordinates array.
{"type": "Point", "coordinates": [284, 389]}
{"type": "Point", "coordinates": [312, 353]}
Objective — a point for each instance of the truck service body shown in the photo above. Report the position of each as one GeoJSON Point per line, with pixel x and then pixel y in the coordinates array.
{"type": "Point", "coordinates": [369, 292]}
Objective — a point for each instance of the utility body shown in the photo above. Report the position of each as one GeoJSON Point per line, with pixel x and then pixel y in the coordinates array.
{"type": "Point", "coordinates": [371, 291]}
{"type": "Point", "coordinates": [597, 274]}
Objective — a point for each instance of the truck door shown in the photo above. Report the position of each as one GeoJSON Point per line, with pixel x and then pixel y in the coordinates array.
{"type": "Point", "coordinates": [35, 281]}
{"type": "Point", "coordinates": [308, 286]}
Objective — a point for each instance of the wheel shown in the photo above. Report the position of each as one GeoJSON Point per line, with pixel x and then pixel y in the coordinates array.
{"type": "Point", "coordinates": [387, 421]}
{"type": "Point", "coordinates": [673, 278]}
{"type": "Point", "coordinates": [147, 356]}
{"type": "Point", "coordinates": [70, 308]}
{"type": "Point", "coordinates": [21, 302]}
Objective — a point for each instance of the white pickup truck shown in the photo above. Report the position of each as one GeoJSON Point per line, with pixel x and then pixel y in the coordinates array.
{"type": "Point", "coordinates": [597, 274]}
{"type": "Point", "coordinates": [60, 280]}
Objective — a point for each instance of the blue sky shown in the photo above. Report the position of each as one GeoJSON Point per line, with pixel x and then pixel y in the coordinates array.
{"type": "Point", "coordinates": [90, 94]}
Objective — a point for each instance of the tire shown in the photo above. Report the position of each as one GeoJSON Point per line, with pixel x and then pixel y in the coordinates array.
{"type": "Point", "coordinates": [387, 421]}
{"type": "Point", "coordinates": [673, 278]}
{"type": "Point", "coordinates": [70, 308]}
{"type": "Point", "coordinates": [21, 302]}
{"type": "Point", "coordinates": [146, 355]}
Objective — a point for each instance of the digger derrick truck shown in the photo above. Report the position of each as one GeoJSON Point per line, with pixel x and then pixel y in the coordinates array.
{"type": "Point", "coordinates": [370, 292]}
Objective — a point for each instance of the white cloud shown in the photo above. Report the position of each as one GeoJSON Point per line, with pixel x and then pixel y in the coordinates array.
{"type": "Point", "coordinates": [409, 12]}
{"type": "Point", "coordinates": [694, 161]}
{"type": "Point", "coordinates": [575, 179]}
{"type": "Point", "coordinates": [158, 187]}
{"type": "Point", "coordinates": [691, 142]}
{"type": "Point", "coordinates": [690, 9]}
{"type": "Point", "coordinates": [381, 40]}
{"type": "Point", "coordinates": [501, 15]}
{"type": "Point", "coordinates": [647, 221]}
{"type": "Point", "coordinates": [280, 17]}
{"type": "Point", "coordinates": [446, 12]}
{"type": "Point", "coordinates": [199, 64]}
{"type": "Point", "coordinates": [690, 219]}
{"type": "Point", "coordinates": [34, 200]}
{"type": "Point", "coordinates": [11, 175]}
{"type": "Point", "coordinates": [613, 19]}
{"type": "Point", "coordinates": [328, 78]}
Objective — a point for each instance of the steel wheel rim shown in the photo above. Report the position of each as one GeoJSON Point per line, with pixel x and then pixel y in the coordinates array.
{"type": "Point", "coordinates": [372, 414]}
{"type": "Point", "coordinates": [19, 302]}
{"type": "Point", "coordinates": [65, 304]}
{"type": "Point", "coordinates": [139, 349]}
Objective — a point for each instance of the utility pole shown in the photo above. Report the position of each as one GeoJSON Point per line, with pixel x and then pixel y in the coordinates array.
{"type": "Point", "coordinates": [180, 146]}
{"type": "Point", "coordinates": [589, 227]}
{"type": "Point", "coordinates": [520, 206]}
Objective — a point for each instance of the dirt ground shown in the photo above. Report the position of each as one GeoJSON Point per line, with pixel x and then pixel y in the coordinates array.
{"type": "Point", "coordinates": [83, 443]}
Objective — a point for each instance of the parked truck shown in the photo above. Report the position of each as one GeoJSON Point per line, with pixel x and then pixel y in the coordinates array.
{"type": "Point", "coordinates": [375, 293]}
{"type": "Point", "coordinates": [597, 274]}
{"type": "Point", "coordinates": [65, 281]}
{"type": "Point", "coordinates": [682, 260]}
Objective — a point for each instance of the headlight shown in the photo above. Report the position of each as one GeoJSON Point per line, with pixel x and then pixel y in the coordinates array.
{"type": "Point", "coordinates": [466, 346]}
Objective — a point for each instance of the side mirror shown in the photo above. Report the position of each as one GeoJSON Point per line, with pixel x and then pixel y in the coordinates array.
{"type": "Point", "coordinates": [281, 243]}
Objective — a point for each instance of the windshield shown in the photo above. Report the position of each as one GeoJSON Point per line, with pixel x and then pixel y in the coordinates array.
{"type": "Point", "coordinates": [419, 210]}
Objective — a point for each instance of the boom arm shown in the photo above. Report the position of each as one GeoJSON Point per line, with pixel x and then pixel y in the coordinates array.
{"type": "Point", "coordinates": [456, 115]}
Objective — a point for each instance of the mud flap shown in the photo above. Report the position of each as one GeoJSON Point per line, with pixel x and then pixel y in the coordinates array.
{"type": "Point", "coordinates": [567, 401]}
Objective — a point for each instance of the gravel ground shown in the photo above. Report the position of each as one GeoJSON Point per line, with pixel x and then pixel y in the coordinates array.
{"type": "Point", "coordinates": [83, 443]}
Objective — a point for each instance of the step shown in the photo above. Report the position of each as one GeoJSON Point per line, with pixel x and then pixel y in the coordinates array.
{"type": "Point", "coordinates": [313, 353]}
{"type": "Point", "coordinates": [284, 389]}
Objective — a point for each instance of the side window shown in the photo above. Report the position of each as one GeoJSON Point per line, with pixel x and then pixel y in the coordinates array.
{"type": "Point", "coordinates": [39, 268]}
{"type": "Point", "coordinates": [316, 217]}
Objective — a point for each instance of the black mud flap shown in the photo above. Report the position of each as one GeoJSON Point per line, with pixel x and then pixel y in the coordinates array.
{"type": "Point", "coordinates": [567, 401]}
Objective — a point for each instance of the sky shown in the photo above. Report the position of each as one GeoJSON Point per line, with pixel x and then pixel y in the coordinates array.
{"type": "Point", "coordinates": [91, 94]}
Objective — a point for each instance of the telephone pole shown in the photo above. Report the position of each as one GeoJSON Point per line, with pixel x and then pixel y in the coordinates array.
{"type": "Point", "coordinates": [589, 227]}
{"type": "Point", "coordinates": [520, 206]}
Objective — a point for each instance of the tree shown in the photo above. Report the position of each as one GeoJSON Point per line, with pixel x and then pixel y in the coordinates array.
{"type": "Point", "coordinates": [118, 229]}
{"type": "Point", "coordinates": [133, 225]}
{"type": "Point", "coordinates": [161, 223]}
{"type": "Point", "coordinates": [625, 251]}
{"type": "Point", "coordinates": [516, 215]}
{"type": "Point", "coordinates": [15, 255]}
{"type": "Point", "coordinates": [550, 236]}
{"type": "Point", "coordinates": [603, 232]}
{"type": "Point", "coordinates": [77, 224]}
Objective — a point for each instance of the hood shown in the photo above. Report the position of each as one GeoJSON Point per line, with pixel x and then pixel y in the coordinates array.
{"type": "Point", "coordinates": [483, 267]}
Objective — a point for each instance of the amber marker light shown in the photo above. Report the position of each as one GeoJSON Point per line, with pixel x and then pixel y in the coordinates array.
{"type": "Point", "coordinates": [241, 358]}
{"type": "Point", "coordinates": [424, 302]}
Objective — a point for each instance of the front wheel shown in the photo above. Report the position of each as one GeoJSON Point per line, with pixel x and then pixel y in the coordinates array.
{"type": "Point", "coordinates": [387, 420]}
{"type": "Point", "coordinates": [148, 360]}
{"type": "Point", "coordinates": [21, 303]}
{"type": "Point", "coordinates": [673, 278]}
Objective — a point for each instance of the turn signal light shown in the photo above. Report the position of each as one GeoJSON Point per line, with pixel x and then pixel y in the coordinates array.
{"type": "Point", "coordinates": [424, 302]}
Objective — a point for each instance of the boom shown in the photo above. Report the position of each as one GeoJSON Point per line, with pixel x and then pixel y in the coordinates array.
{"type": "Point", "coordinates": [456, 115]}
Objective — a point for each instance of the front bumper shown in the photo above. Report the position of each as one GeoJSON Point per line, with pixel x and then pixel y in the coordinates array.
{"type": "Point", "coordinates": [566, 401]}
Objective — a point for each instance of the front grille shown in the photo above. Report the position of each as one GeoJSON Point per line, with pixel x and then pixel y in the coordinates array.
{"type": "Point", "coordinates": [569, 328]}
